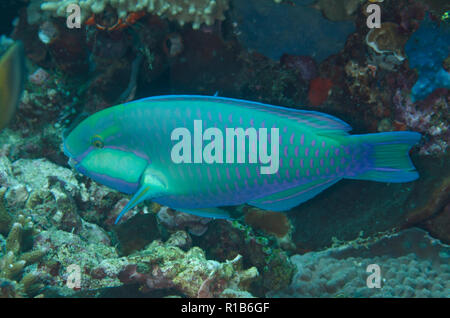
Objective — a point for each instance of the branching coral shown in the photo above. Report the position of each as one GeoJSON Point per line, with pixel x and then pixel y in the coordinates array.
{"type": "Point", "coordinates": [195, 12]}
{"type": "Point", "coordinates": [18, 277]}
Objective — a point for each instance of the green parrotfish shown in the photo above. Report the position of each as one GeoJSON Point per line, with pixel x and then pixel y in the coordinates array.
{"type": "Point", "coordinates": [198, 153]}
{"type": "Point", "coordinates": [12, 78]}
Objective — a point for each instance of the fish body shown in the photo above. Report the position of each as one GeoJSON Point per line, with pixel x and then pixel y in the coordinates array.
{"type": "Point", "coordinates": [131, 148]}
{"type": "Point", "coordinates": [12, 78]}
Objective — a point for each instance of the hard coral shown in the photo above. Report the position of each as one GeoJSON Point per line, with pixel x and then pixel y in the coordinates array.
{"type": "Point", "coordinates": [19, 276]}
{"type": "Point", "coordinates": [412, 265]}
{"type": "Point", "coordinates": [196, 12]}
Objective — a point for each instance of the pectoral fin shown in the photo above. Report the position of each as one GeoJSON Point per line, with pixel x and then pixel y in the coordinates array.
{"type": "Point", "coordinates": [151, 187]}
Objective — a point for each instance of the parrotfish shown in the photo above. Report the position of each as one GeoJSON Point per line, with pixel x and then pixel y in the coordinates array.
{"type": "Point", "coordinates": [12, 78]}
{"type": "Point", "coordinates": [170, 149]}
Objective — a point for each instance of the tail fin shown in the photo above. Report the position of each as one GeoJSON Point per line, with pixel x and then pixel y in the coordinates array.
{"type": "Point", "coordinates": [388, 159]}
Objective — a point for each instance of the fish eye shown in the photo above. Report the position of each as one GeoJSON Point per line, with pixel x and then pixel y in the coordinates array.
{"type": "Point", "coordinates": [97, 141]}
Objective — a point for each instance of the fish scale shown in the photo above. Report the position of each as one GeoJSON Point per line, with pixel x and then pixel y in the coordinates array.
{"type": "Point", "coordinates": [315, 151]}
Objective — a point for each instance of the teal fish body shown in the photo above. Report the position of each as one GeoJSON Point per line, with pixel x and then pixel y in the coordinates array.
{"type": "Point", "coordinates": [197, 153]}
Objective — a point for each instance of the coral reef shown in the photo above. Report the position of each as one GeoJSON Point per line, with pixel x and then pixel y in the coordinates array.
{"type": "Point", "coordinates": [329, 62]}
{"type": "Point", "coordinates": [430, 118]}
{"type": "Point", "coordinates": [225, 240]}
{"type": "Point", "coordinates": [319, 89]}
{"type": "Point", "coordinates": [427, 48]}
{"type": "Point", "coordinates": [161, 266]}
{"type": "Point", "coordinates": [387, 38]}
{"type": "Point", "coordinates": [182, 221]}
{"type": "Point", "coordinates": [304, 65]}
{"type": "Point", "coordinates": [412, 265]}
{"type": "Point", "coordinates": [65, 250]}
{"type": "Point", "coordinates": [195, 12]}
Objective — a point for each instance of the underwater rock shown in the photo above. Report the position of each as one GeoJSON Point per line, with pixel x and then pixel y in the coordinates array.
{"type": "Point", "coordinates": [304, 65]}
{"type": "Point", "coordinates": [319, 90]}
{"type": "Point", "coordinates": [435, 197]}
{"type": "Point", "coordinates": [103, 204]}
{"type": "Point", "coordinates": [46, 191]}
{"type": "Point", "coordinates": [339, 10]}
{"type": "Point", "coordinates": [26, 32]}
{"type": "Point", "coordinates": [411, 265]}
{"type": "Point", "coordinates": [5, 218]}
{"type": "Point", "coordinates": [136, 233]}
{"type": "Point", "coordinates": [162, 266]}
{"type": "Point", "coordinates": [39, 76]}
{"type": "Point", "coordinates": [176, 220]}
{"type": "Point", "coordinates": [439, 224]}
{"type": "Point", "coordinates": [66, 249]}
{"type": "Point", "coordinates": [274, 29]}
{"type": "Point", "coordinates": [225, 240]}
{"type": "Point", "coordinates": [67, 48]}
{"type": "Point", "coordinates": [242, 73]}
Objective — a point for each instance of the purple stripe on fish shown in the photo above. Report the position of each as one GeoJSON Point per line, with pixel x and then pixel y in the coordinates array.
{"type": "Point", "coordinates": [115, 183]}
{"type": "Point", "coordinates": [238, 175]}
{"type": "Point", "coordinates": [208, 170]}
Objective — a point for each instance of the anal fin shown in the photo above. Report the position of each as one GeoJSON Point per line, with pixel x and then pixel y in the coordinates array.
{"type": "Point", "coordinates": [287, 199]}
{"type": "Point", "coordinates": [215, 213]}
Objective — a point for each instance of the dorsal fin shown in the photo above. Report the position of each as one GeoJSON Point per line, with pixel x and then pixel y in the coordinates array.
{"type": "Point", "coordinates": [324, 123]}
